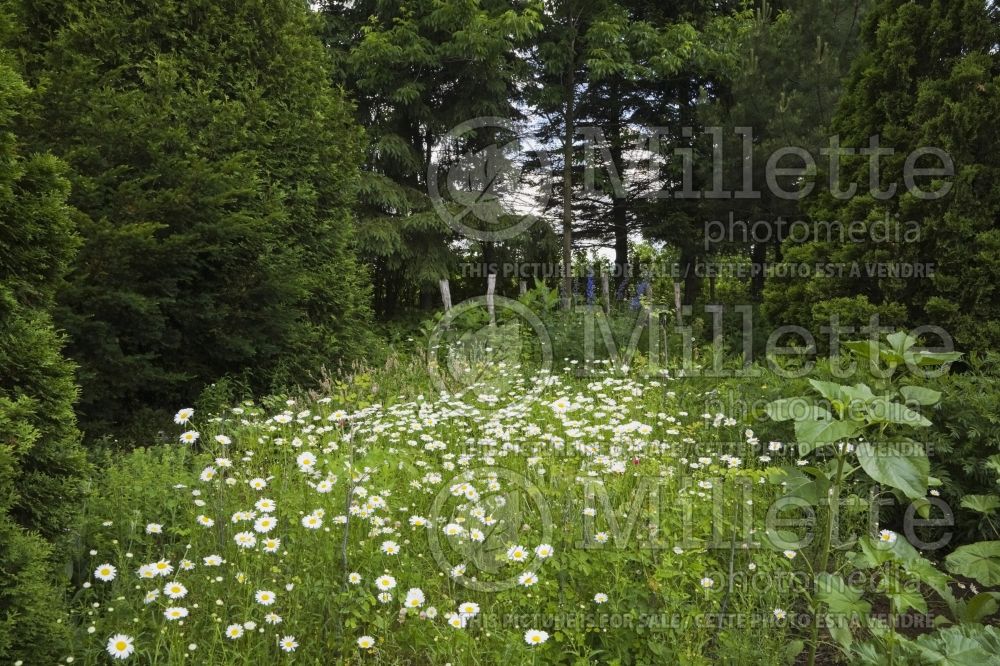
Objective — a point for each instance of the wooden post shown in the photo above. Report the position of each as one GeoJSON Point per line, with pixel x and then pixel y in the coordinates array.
{"type": "Point", "coordinates": [491, 285]}
{"type": "Point", "coordinates": [445, 294]}
{"type": "Point", "coordinates": [606, 292]}
{"type": "Point", "coordinates": [524, 287]}
{"type": "Point", "coordinates": [677, 302]}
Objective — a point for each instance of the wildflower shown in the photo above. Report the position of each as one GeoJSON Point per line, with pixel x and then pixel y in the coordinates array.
{"type": "Point", "coordinates": [245, 539]}
{"type": "Point", "coordinates": [544, 551]}
{"type": "Point", "coordinates": [183, 416]}
{"type": "Point", "coordinates": [354, 578]}
{"type": "Point", "coordinates": [151, 596]}
{"type": "Point", "coordinates": [517, 554]}
{"type": "Point", "coordinates": [390, 547]}
{"type": "Point", "coordinates": [779, 614]}
{"type": "Point", "coordinates": [212, 561]}
{"type": "Point", "coordinates": [887, 537]}
{"type": "Point", "coordinates": [468, 609]}
{"type": "Point", "coordinates": [264, 524]}
{"type": "Point", "coordinates": [175, 613]}
{"type": "Point", "coordinates": [601, 537]}
{"type": "Point", "coordinates": [266, 505]}
{"type": "Point", "coordinates": [456, 621]}
{"type": "Point", "coordinates": [272, 618]}
{"type": "Point", "coordinates": [288, 643]}
{"type": "Point", "coordinates": [312, 522]}
{"type": "Point", "coordinates": [222, 439]}
{"type": "Point", "coordinates": [190, 437]}
{"type": "Point", "coordinates": [234, 631]}
{"type": "Point", "coordinates": [207, 474]}
{"type": "Point", "coordinates": [600, 598]}
{"type": "Point", "coordinates": [414, 598]}
{"type": "Point", "coordinates": [175, 590]}
{"type": "Point", "coordinates": [790, 554]}
{"type": "Point", "coordinates": [105, 572]}
{"type": "Point", "coordinates": [535, 637]}
{"type": "Point", "coordinates": [385, 597]}
{"type": "Point", "coordinates": [385, 582]}
{"type": "Point", "coordinates": [154, 528]}
{"type": "Point", "coordinates": [205, 521]}
{"type": "Point", "coordinates": [271, 545]}
{"type": "Point", "coordinates": [527, 579]}
{"type": "Point", "coordinates": [265, 597]}
{"type": "Point", "coordinates": [366, 642]}
{"type": "Point", "coordinates": [121, 646]}
{"type": "Point", "coordinates": [257, 483]}
{"type": "Point", "coordinates": [707, 583]}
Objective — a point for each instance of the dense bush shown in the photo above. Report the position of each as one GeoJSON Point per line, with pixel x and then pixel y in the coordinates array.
{"type": "Point", "coordinates": [213, 166]}
{"type": "Point", "coordinates": [42, 465]}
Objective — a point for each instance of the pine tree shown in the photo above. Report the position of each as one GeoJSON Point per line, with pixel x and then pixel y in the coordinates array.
{"type": "Point", "coordinates": [214, 168]}
{"type": "Point", "coordinates": [42, 465]}
{"type": "Point", "coordinates": [417, 69]}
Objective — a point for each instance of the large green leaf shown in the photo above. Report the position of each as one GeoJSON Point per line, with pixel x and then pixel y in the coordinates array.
{"type": "Point", "coordinates": [985, 504]}
{"type": "Point", "coordinates": [980, 561]}
{"type": "Point", "coordinates": [952, 647]}
{"type": "Point", "coordinates": [901, 465]}
{"type": "Point", "coordinates": [883, 410]}
{"type": "Point", "coordinates": [839, 597]}
{"type": "Point", "coordinates": [812, 433]}
{"type": "Point", "coordinates": [920, 395]}
{"type": "Point", "coordinates": [791, 409]}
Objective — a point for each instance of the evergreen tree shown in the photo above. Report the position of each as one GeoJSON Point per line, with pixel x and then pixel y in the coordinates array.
{"type": "Point", "coordinates": [214, 168]}
{"type": "Point", "coordinates": [42, 465]}
{"type": "Point", "coordinates": [929, 76]}
{"type": "Point", "coordinates": [417, 69]}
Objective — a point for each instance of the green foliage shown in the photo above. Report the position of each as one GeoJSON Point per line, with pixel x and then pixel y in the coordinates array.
{"type": "Point", "coordinates": [213, 168]}
{"type": "Point", "coordinates": [927, 77]}
{"type": "Point", "coordinates": [42, 465]}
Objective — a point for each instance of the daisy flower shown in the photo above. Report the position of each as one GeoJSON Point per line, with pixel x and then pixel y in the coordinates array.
{"type": "Point", "coordinates": [535, 637]}
{"type": "Point", "coordinates": [366, 642]}
{"type": "Point", "coordinates": [190, 437]}
{"type": "Point", "coordinates": [175, 590]}
{"type": "Point", "coordinates": [105, 572]}
{"type": "Point", "coordinates": [265, 597]}
{"type": "Point", "coordinates": [600, 598]}
{"type": "Point", "coordinates": [175, 613]}
{"type": "Point", "coordinates": [288, 643]}
{"type": "Point", "coordinates": [385, 582]}
{"type": "Point", "coordinates": [121, 646]}
{"type": "Point", "coordinates": [183, 416]}
{"type": "Point", "coordinates": [234, 631]}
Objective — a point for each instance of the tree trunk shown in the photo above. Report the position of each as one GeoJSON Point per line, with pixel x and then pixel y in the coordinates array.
{"type": "Point", "coordinates": [567, 218]}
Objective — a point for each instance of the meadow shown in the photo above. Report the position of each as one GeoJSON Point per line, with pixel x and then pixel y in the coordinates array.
{"type": "Point", "coordinates": [592, 513]}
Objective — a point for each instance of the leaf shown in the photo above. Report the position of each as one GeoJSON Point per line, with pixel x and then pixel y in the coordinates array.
{"type": "Point", "coordinates": [949, 647]}
{"type": "Point", "coordinates": [985, 504]}
{"type": "Point", "coordinates": [812, 433]}
{"type": "Point", "coordinates": [900, 342]}
{"type": "Point", "coordinates": [936, 358]}
{"type": "Point", "coordinates": [901, 465]}
{"type": "Point", "coordinates": [792, 650]}
{"type": "Point", "coordinates": [839, 597]}
{"type": "Point", "coordinates": [981, 606]}
{"type": "Point", "coordinates": [794, 409]}
{"type": "Point", "coordinates": [980, 561]}
{"type": "Point", "coordinates": [883, 410]}
{"type": "Point", "coordinates": [829, 390]}
{"type": "Point", "coordinates": [920, 395]}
